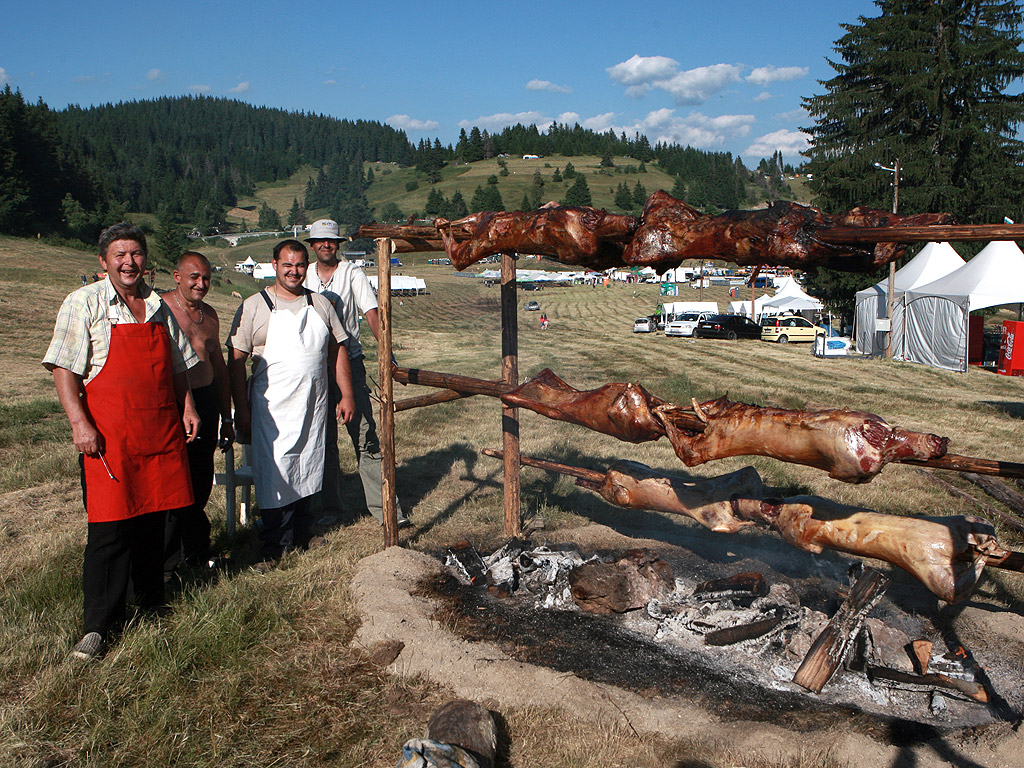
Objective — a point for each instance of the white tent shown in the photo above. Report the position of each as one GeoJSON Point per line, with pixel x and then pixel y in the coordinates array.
{"type": "Point", "coordinates": [934, 261]}
{"type": "Point", "coordinates": [790, 298]}
{"type": "Point", "coordinates": [402, 284]}
{"type": "Point", "coordinates": [743, 307]}
{"type": "Point", "coordinates": [935, 331]}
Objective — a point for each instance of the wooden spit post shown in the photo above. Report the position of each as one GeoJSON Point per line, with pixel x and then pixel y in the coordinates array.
{"type": "Point", "coordinates": [510, 376]}
{"type": "Point", "coordinates": [387, 410]}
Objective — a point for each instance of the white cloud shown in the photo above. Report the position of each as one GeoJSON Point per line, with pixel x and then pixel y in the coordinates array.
{"type": "Point", "coordinates": [599, 123]}
{"type": "Point", "coordinates": [84, 79]}
{"type": "Point", "coordinates": [640, 70]}
{"type": "Point", "coordinates": [155, 76]}
{"type": "Point", "coordinates": [200, 88]}
{"type": "Point", "coordinates": [242, 87]}
{"type": "Point", "coordinates": [762, 96]}
{"type": "Point", "coordinates": [773, 74]}
{"type": "Point", "coordinates": [692, 86]}
{"type": "Point", "coordinates": [568, 118]}
{"type": "Point", "coordinates": [791, 116]}
{"type": "Point", "coordinates": [4, 79]}
{"type": "Point", "coordinates": [695, 129]}
{"type": "Point", "coordinates": [547, 85]}
{"type": "Point", "coordinates": [406, 123]}
{"type": "Point", "coordinates": [329, 82]}
{"type": "Point", "coordinates": [790, 143]}
{"type": "Point", "coordinates": [501, 120]}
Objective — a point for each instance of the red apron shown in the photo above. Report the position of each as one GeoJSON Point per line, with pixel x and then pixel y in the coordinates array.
{"type": "Point", "coordinates": [131, 402]}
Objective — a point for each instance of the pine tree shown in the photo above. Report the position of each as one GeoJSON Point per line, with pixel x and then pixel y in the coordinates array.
{"type": "Point", "coordinates": [926, 82]}
{"type": "Point", "coordinates": [570, 171]}
{"type": "Point", "coordinates": [268, 218]}
{"type": "Point", "coordinates": [579, 192]}
{"type": "Point", "coordinates": [457, 207]}
{"type": "Point", "coordinates": [556, 177]}
{"type": "Point", "coordinates": [639, 195]}
{"type": "Point", "coordinates": [623, 197]}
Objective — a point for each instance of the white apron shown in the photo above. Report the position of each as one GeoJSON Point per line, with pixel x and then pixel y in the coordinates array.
{"type": "Point", "coordinates": [288, 400]}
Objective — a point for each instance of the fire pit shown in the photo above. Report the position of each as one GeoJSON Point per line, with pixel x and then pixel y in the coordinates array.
{"type": "Point", "coordinates": [732, 635]}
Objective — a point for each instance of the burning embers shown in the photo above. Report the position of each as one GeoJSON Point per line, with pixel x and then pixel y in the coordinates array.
{"type": "Point", "coordinates": [758, 629]}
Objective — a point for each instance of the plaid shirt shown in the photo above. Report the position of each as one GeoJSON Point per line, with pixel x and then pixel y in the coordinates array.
{"type": "Point", "coordinates": [81, 336]}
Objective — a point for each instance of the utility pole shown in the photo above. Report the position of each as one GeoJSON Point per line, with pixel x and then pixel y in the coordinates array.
{"type": "Point", "coordinates": [895, 171]}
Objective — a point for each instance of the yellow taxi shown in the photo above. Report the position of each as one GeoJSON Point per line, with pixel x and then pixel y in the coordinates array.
{"type": "Point", "coordinates": [783, 329]}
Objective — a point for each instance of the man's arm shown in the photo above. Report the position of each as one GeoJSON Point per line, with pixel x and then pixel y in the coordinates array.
{"type": "Point", "coordinates": [373, 320]}
{"type": "Point", "coordinates": [189, 417]}
{"type": "Point", "coordinates": [337, 355]}
{"type": "Point", "coordinates": [86, 437]}
{"type": "Point", "coordinates": [240, 394]}
{"type": "Point", "coordinates": [221, 381]}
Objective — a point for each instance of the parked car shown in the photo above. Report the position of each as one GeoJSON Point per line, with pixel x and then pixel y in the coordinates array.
{"type": "Point", "coordinates": [643, 325]}
{"type": "Point", "coordinates": [727, 327]}
{"type": "Point", "coordinates": [684, 324]}
{"type": "Point", "coordinates": [786, 328]}
{"type": "Point", "coordinates": [532, 306]}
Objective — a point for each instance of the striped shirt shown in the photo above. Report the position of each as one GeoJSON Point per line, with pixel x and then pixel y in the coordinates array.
{"type": "Point", "coordinates": [81, 336]}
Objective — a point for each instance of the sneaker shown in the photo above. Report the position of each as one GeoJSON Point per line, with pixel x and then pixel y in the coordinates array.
{"type": "Point", "coordinates": [405, 522]}
{"type": "Point", "coordinates": [88, 647]}
{"type": "Point", "coordinates": [317, 542]}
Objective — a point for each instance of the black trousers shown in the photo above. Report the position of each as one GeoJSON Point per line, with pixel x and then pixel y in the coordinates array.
{"type": "Point", "coordinates": [118, 555]}
{"type": "Point", "coordinates": [284, 528]}
{"type": "Point", "coordinates": [187, 533]}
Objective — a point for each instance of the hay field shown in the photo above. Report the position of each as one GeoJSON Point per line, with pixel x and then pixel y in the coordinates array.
{"type": "Point", "coordinates": [257, 670]}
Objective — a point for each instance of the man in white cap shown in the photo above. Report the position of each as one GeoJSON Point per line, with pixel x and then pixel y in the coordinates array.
{"type": "Point", "coordinates": [351, 294]}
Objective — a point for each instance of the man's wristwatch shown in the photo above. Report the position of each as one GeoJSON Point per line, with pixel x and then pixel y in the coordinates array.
{"type": "Point", "coordinates": [228, 422]}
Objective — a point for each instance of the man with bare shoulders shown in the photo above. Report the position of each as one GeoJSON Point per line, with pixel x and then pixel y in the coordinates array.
{"type": "Point", "coordinates": [187, 533]}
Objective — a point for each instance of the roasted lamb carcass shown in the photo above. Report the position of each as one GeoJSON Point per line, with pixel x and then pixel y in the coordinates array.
{"type": "Point", "coordinates": [946, 554]}
{"type": "Point", "coordinates": [584, 236]}
{"type": "Point", "coordinates": [619, 410]}
{"type": "Point", "coordinates": [783, 234]}
{"type": "Point", "coordinates": [852, 446]}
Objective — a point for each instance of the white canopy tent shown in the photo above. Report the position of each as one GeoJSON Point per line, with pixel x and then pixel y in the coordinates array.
{"type": "Point", "coordinates": [743, 307]}
{"type": "Point", "coordinates": [934, 261]}
{"type": "Point", "coordinates": [935, 331]}
{"type": "Point", "coordinates": [790, 298]}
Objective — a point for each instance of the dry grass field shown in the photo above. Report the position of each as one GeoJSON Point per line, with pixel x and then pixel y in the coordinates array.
{"type": "Point", "coordinates": [258, 670]}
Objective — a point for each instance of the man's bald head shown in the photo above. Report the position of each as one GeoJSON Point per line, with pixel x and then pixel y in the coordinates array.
{"type": "Point", "coordinates": [190, 256]}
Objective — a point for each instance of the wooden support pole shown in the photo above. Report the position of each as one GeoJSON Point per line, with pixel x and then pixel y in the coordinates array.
{"type": "Point", "coordinates": [510, 375]}
{"type": "Point", "coordinates": [922, 234]}
{"type": "Point", "coordinates": [387, 411]}
{"type": "Point", "coordinates": [444, 396]}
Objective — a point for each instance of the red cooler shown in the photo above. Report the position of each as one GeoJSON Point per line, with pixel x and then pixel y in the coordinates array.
{"type": "Point", "coordinates": [1011, 349]}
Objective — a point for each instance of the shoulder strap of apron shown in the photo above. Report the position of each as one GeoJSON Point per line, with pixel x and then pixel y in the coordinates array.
{"type": "Point", "coordinates": [266, 298]}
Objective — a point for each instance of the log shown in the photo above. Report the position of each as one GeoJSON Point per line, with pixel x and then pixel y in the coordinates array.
{"type": "Point", "coordinates": [929, 233]}
{"type": "Point", "coordinates": [510, 414]}
{"type": "Point", "coordinates": [444, 396]}
{"type": "Point", "coordinates": [742, 632]}
{"type": "Point", "coordinates": [389, 501]}
{"type": "Point", "coordinates": [831, 645]}
{"type": "Point", "coordinates": [959, 463]}
{"type": "Point", "coordinates": [968, 688]}
{"type": "Point", "coordinates": [988, 509]}
{"type": "Point", "coordinates": [921, 654]}
{"type": "Point", "coordinates": [748, 583]}
{"type": "Point", "coordinates": [1000, 492]}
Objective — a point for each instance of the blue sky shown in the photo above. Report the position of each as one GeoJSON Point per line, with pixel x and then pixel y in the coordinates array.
{"type": "Point", "coordinates": [723, 76]}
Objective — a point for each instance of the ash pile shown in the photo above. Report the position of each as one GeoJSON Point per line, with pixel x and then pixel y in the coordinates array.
{"type": "Point", "coordinates": [841, 656]}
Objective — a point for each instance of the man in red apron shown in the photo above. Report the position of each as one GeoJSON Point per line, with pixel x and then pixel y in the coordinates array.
{"type": "Point", "coordinates": [119, 359]}
{"type": "Point", "coordinates": [292, 335]}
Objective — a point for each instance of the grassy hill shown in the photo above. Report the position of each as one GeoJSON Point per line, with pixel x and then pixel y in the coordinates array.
{"type": "Point", "coordinates": [258, 670]}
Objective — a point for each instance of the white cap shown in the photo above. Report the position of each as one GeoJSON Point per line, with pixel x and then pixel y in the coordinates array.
{"type": "Point", "coordinates": [324, 229]}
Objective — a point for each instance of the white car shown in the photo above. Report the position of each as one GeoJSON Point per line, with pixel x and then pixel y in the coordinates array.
{"type": "Point", "coordinates": [643, 325]}
{"type": "Point", "coordinates": [684, 324]}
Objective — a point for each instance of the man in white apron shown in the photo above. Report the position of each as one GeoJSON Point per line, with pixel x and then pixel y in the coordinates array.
{"type": "Point", "coordinates": [292, 336]}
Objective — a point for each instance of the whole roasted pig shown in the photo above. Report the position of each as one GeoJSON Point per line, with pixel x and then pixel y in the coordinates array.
{"type": "Point", "coordinates": [584, 235]}
{"type": "Point", "coordinates": [783, 234]}
{"type": "Point", "coordinates": [852, 446]}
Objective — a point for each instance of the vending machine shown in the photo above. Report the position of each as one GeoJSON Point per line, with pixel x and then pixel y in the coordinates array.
{"type": "Point", "coordinates": [1011, 349]}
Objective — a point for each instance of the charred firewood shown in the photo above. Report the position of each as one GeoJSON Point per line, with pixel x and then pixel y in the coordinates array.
{"type": "Point", "coordinates": [748, 583]}
{"type": "Point", "coordinates": [830, 647]}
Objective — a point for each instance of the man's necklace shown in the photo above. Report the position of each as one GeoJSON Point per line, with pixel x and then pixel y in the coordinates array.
{"type": "Point", "coordinates": [324, 286]}
{"type": "Point", "coordinates": [194, 322]}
